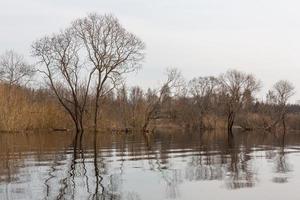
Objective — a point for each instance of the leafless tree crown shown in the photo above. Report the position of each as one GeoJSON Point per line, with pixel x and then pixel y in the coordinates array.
{"type": "Point", "coordinates": [14, 70]}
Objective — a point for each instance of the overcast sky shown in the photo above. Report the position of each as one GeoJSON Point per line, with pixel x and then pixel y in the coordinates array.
{"type": "Point", "coordinates": [200, 37]}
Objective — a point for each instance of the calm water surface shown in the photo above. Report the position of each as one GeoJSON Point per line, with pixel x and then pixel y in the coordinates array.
{"type": "Point", "coordinates": [163, 166]}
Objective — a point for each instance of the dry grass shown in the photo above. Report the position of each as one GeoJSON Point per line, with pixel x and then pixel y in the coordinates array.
{"type": "Point", "coordinates": [20, 110]}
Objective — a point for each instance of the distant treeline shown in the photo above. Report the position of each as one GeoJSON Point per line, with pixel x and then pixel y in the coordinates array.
{"type": "Point", "coordinates": [84, 69]}
{"type": "Point", "coordinates": [132, 108]}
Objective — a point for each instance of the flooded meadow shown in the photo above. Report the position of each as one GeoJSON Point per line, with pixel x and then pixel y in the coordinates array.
{"type": "Point", "coordinates": [160, 166]}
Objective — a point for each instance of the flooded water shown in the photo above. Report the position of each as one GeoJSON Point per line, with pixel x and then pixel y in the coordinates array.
{"type": "Point", "coordinates": [162, 166]}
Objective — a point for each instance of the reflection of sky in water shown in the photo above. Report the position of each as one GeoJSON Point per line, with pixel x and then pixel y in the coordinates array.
{"type": "Point", "coordinates": [171, 168]}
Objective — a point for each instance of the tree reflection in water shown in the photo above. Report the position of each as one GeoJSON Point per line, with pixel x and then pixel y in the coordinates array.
{"type": "Point", "coordinates": [238, 173]}
{"type": "Point", "coordinates": [171, 177]}
{"type": "Point", "coordinates": [78, 172]}
{"type": "Point", "coordinates": [102, 166]}
{"type": "Point", "coordinates": [229, 163]}
{"type": "Point", "coordinates": [282, 167]}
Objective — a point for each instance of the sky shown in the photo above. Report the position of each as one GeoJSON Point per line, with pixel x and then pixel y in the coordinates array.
{"type": "Point", "coordinates": [200, 37]}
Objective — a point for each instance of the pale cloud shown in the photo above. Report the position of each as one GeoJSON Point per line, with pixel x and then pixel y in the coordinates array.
{"type": "Point", "coordinates": [204, 37]}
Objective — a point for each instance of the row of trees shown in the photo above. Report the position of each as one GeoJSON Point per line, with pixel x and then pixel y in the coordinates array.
{"type": "Point", "coordinates": [229, 98]}
{"type": "Point", "coordinates": [84, 68]}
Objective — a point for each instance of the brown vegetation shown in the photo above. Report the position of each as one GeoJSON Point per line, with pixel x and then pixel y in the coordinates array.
{"type": "Point", "coordinates": [84, 68]}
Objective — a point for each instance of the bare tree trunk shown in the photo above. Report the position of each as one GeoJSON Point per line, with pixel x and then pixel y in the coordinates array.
{"type": "Point", "coordinates": [201, 121]}
{"type": "Point", "coordinates": [280, 118]}
{"type": "Point", "coordinates": [145, 127]}
{"type": "Point", "coordinates": [230, 121]}
{"type": "Point", "coordinates": [97, 98]}
{"type": "Point", "coordinates": [283, 124]}
{"type": "Point", "coordinates": [96, 113]}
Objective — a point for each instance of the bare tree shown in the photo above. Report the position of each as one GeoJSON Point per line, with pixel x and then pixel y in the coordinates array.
{"type": "Point", "coordinates": [59, 60]}
{"type": "Point", "coordinates": [280, 94]}
{"type": "Point", "coordinates": [122, 99]}
{"type": "Point", "coordinates": [111, 49]}
{"type": "Point", "coordinates": [236, 87]}
{"type": "Point", "coordinates": [94, 49]}
{"type": "Point", "coordinates": [202, 90]}
{"type": "Point", "coordinates": [136, 103]}
{"type": "Point", "coordinates": [14, 70]}
{"type": "Point", "coordinates": [157, 97]}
